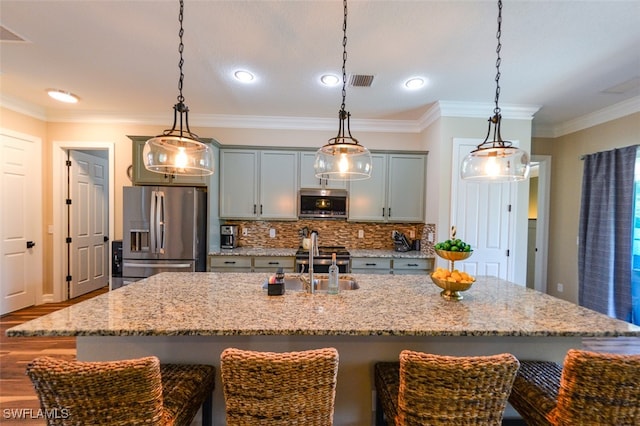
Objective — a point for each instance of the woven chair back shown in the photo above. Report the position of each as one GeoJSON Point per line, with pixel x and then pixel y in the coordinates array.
{"type": "Point", "coordinates": [269, 388]}
{"type": "Point", "coordinates": [598, 388]}
{"type": "Point", "coordinates": [99, 393]}
{"type": "Point", "coordinates": [446, 390]}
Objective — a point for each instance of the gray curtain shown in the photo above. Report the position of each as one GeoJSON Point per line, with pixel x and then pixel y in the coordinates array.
{"type": "Point", "coordinates": [605, 234]}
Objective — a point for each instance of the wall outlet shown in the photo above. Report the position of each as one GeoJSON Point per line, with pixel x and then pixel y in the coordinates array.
{"type": "Point", "coordinates": [430, 237]}
{"type": "Point", "coordinates": [245, 232]}
{"type": "Point", "coordinates": [361, 233]}
{"type": "Point", "coordinates": [272, 233]}
{"type": "Point", "coordinates": [560, 287]}
{"type": "Point", "coordinates": [412, 234]}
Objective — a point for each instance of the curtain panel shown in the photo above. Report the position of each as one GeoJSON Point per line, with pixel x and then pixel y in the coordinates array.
{"type": "Point", "coordinates": [605, 232]}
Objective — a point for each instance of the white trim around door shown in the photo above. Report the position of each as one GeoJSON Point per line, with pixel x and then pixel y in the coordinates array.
{"type": "Point", "coordinates": [59, 157]}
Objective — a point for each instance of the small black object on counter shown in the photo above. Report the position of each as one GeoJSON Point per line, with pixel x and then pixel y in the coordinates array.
{"type": "Point", "coordinates": [275, 287]}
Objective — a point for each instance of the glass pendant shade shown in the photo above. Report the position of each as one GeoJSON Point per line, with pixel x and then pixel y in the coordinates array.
{"type": "Point", "coordinates": [178, 151]}
{"type": "Point", "coordinates": [343, 161]}
{"type": "Point", "coordinates": [176, 155]}
{"type": "Point", "coordinates": [496, 160]}
{"type": "Point", "coordinates": [496, 164]}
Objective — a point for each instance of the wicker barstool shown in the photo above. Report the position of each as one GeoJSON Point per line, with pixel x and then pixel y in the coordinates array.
{"type": "Point", "coordinates": [128, 392]}
{"type": "Point", "coordinates": [269, 388]}
{"type": "Point", "coordinates": [590, 389]}
{"type": "Point", "coordinates": [425, 389]}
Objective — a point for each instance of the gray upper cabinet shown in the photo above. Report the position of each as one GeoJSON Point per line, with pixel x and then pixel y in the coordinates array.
{"type": "Point", "coordinates": [258, 184]}
{"type": "Point", "coordinates": [308, 177]}
{"type": "Point", "coordinates": [142, 176]}
{"type": "Point", "coordinates": [394, 193]}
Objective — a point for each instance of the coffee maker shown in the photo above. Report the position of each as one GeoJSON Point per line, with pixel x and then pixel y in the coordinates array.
{"type": "Point", "coordinates": [228, 236]}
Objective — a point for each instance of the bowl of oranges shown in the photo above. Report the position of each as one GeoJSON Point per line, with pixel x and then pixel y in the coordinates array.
{"type": "Point", "coordinates": [452, 282]}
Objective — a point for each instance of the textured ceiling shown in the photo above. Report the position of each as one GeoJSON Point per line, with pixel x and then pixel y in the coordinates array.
{"type": "Point", "coordinates": [121, 57]}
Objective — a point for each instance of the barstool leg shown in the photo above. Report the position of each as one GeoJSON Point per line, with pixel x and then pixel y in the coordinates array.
{"type": "Point", "coordinates": [207, 411]}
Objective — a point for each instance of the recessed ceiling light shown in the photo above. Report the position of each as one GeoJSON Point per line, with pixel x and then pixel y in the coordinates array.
{"type": "Point", "coordinates": [329, 80]}
{"type": "Point", "coordinates": [63, 96]}
{"type": "Point", "coordinates": [244, 76]}
{"type": "Point", "coordinates": [414, 83]}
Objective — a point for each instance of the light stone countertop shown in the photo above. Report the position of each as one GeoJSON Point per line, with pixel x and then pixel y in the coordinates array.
{"type": "Point", "coordinates": [206, 303]}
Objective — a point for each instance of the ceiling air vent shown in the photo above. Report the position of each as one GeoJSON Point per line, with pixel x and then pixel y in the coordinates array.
{"type": "Point", "coordinates": [360, 80]}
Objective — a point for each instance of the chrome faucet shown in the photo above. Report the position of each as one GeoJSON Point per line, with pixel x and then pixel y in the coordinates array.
{"type": "Point", "coordinates": [313, 251]}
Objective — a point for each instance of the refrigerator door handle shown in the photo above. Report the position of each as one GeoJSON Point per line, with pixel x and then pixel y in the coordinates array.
{"type": "Point", "coordinates": [160, 222]}
{"type": "Point", "coordinates": [152, 221]}
{"type": "Point", "coordinates": [156, 265]}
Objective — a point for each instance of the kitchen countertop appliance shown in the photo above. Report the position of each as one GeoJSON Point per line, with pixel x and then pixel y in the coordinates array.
{"type": "Point", "coordinates": [322, 261]}
{"type": "Point", "coordinates": [228, 236]}
{"type": "Point", "coordinates": [165, 229]}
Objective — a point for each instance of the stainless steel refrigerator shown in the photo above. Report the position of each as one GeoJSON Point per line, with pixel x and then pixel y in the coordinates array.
{"type": "Point", "coordinates": [165, 229]}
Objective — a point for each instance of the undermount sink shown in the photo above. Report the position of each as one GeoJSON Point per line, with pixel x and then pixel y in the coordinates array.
{"type": "Point", "coordinates": [321, 283]}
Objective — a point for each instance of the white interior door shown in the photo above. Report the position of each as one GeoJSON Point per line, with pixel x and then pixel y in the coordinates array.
{"type": "Point", "coordinates": [481, 212]}
{"type": "Point", "coordinates": [20, 221]}
{"type": "Point", "coordinates": [89, 247]}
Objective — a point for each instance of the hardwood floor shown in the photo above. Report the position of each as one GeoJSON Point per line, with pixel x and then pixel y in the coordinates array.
{"type": "Point", "coordinates": [18, 401]}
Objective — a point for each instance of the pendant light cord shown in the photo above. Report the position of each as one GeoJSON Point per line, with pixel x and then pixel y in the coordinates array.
{"type": "Point", "coordinates": [496, 110]}
{"type": "Point", "coordinates": [344, 58]}
{"type": "Point", "coordinates": [180, 50]}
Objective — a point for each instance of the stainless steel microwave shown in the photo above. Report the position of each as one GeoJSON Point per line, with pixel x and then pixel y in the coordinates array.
{"type": "Point", "coordinates": [323, 204]}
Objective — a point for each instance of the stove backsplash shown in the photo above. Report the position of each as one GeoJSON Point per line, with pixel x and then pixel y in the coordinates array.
{"type": "Point", "coordinates": [332, 233]}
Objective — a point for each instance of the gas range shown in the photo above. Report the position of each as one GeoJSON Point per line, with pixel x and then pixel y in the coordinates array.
{"type": "Point", "coordinates": [322, 261]}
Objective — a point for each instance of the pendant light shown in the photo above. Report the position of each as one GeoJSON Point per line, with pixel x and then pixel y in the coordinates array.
{"type": "Point", "coordinates": [496, 160]}
{"type": "Point", "coordinates": [178, 151]}
{"type": "Point", "coordinates": [343, 158]}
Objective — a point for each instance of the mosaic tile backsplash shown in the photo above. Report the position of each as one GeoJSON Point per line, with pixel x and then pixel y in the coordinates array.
{"type": "Point", "coordinates": [332, 233]}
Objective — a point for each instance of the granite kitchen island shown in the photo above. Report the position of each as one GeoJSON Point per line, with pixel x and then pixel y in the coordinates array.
{"type": "Point", "coordinates": [192, 317]}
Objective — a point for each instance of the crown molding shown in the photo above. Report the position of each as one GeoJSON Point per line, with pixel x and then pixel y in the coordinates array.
{"type": "Point", "coordinates": [22, 107]}
{"type": "Point", "coordinates": [434, 112]}
{"type": "Point", "coordinates": [604, 115]}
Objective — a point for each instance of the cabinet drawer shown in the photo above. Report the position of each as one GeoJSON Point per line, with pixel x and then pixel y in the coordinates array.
{"type": "Point", "coordinates": [274, 262]}
{"type": "Point", "coordinates": [230, 262]}
{"type": "Point", "coordinates": [421, 264]}
{"type": "Point", "coordinates": [370, 263]}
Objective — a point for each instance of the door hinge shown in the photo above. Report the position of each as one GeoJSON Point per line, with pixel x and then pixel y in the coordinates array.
{"type": "Point", "coordinates": [69, 278]}
{"type": "Point", "coordinates": [68, 240]}
{"type": "Point", "coordinates": [68, 201]}
{"type": "Point", "coordinates": [509, 208]}
{"type": "Point", "coordinates": [507, 252]}
{"type": "Point", "coordinates": [68, 163]}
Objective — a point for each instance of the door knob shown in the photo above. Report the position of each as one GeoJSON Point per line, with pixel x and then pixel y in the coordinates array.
{"type": "Point", "coordinates": [30, 244]}
{"type": "Point", "coordinates": [105, 238]}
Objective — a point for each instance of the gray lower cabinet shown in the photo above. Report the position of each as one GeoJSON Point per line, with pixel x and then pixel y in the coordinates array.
{"type": "Point", "coordinates": [370, 265]}
{"type": "Point", "coordinates": [387, 265]}
{"type": "Point", "coordinates": [271, 264]}
{"type": "Point", "coordinates": [230, 263]}
{"type": "Point", "coordinates": [404, 266]}
{"type": "Point", "coordinates": [226, 263]}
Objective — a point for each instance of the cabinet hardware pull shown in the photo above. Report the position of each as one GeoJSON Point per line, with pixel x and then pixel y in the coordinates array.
{"type": "Point", "coordinates": [370, 264]}
{"type": "Point", "coordinates": [412, 264]}
{"type": "Point", "coordinates": [260, 208]}
{"type": "Point", "coordinates": [230, 262]}
{"type": "Point", "coordinates": [389, 211]}
{"type": "Point", "coordinates": [274, 263]}
{"type": "Point", "coordinates": [254, 209]}
{"type": "Point", "coordinates": [383, 212]}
